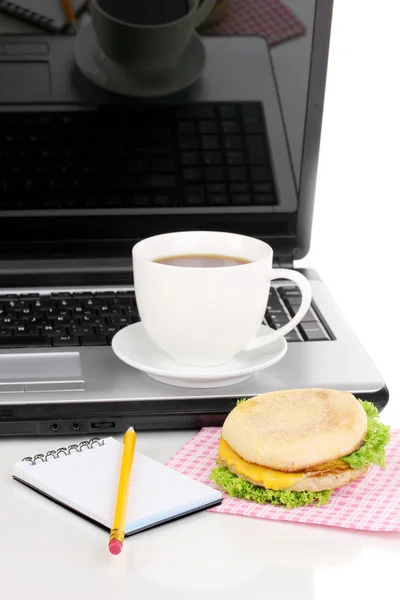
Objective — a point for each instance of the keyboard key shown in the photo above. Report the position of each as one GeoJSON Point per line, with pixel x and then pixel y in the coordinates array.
{"type": "Point", "coordinates": [192, 175]}
{"type": "Point", "coordinates": [190, 159]}
{"type": "Point", "coordinates": [274, 304]}
{"type": "Point", "coordinates": [293, 336]}
{"type": "Point", "coordinates": [230, 127]}
{"type": "Point", "coordinates": [239, 188]}
{"type": "Point", "coordinates": [237, 174]}
{"type": "Point", "coordinates": [214, 174]}
{"type": "Point", "coordinates": [194, 196]}
{"type": "Point", "coordinates": [111, 201]}
{"type": "Point", "coordinates": [216, 188]}
{"type": "Point", "coordinates": [275, 307]}
{"type": "Point", "coordinates": [241, 199]}
{"type": "Point", "coordinates": [94, 340]}
{"type": "Point", "coordinates": [227, 111]}
{"type": "Point", "coordinates": [312, 331]}
{"type": "Point", "coordinates": [164, 165]}
{"type": "Point", "coordinates": [252, 119]}
{"type": "Point", "coordinates": [165, 200]}
{"type": "Point", "coordinates": [65, 340]}
{"type": "Point", "coordinates": [110, 329]}
{"type": "Point", "coordinates": [275, 324]}
{"type": "Point", "coordinates": [256, 150]}
{"type": "Point", "coordinates": [308, 317]}
{"type": "Point", "coordinates": [78, 330]}
{"type": "Point", "coordinates": [212, 158]}
{"type": "Point", "coordinates": [233, 142]}
{"type": "Point", "coordinates": [250, 111]}
{"type": "Point", "coordinates": [291, 291]}
{"type": "Point", "coordinates": [210, 142]}
{"type": "Point", "coordinates": [208, 127]}
{"type": "Point", "coordinates": [264, 199]}
{"type": "Point", "coordinates": [263, 188]}
{"type": "Point", "coordinates": [186, 127]}
{"type": "Point", "coordinates": [200, 111]}
{"type": "Point", "coordinates": [159, 181]}
{"type": "Point", "coordinates": [235, 158]}
{"type": "Point", "coordinates": [27, 341]}
{"type": "Point", "coordinates": [293, 303]}
{"type": "Point", "coordinates": [260, 174]}
{"type": "Point", "coordinates": [188, 142]}
{"type": "Point", "coordinates": [218, 200]}
{"type": "Point", "coordinates": [26, 330]}
{"type": "Point", "coordinates": [281, 318]}
{"type": "Point", "coordinates": [139, 200]}
{"type": "Point", "coordinates": [61, 295]}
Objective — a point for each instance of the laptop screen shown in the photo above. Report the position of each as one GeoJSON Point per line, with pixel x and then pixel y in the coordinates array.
{"type": "Point", "coordinates": [69, 185]}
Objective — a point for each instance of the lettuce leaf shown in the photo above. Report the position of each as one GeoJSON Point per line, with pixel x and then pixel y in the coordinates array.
{"type": "Point", "coordinates": [373, 450]}
{"type": "Point", "coordinates": [239, 488]}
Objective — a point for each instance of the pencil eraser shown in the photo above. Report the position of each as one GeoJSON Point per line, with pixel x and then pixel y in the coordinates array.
{"type": "Point", "coordinates": [115, 546]}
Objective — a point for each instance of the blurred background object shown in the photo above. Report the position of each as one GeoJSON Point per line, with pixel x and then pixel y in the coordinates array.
{"type": "Point", "coordinates": [218, 14]}
{"type": "Point", "coordinates": [272, 19]}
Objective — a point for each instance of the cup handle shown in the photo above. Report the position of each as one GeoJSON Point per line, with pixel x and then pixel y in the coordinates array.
{"type": "Point", "coordinates": [204, 9]}
{"type": "Point", "coordinates": [306, 295]}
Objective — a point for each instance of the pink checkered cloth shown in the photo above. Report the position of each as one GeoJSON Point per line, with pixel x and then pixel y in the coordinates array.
{"type": "Point", "coordinates": [372, 503]}
{"type": "Point", "coordinates": [269, 18]}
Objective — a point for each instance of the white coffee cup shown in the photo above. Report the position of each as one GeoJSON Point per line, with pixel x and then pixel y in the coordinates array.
{"type": "Point", "coordinates": [205, 316]}
{"type": "Point", "coordinates": [147, 48]}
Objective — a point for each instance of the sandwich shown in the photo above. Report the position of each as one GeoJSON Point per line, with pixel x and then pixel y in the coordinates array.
{"type": "Point", "coordinates": [295, 447]}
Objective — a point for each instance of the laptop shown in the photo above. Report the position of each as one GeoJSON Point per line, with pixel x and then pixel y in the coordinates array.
{"type": "Point", "coordinates": [86, 173]}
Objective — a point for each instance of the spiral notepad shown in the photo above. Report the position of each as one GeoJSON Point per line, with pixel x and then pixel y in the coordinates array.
{"type": "Point", "coordinates": [84, 478]}
{"type": "Point", "coordinates": [45, 13]}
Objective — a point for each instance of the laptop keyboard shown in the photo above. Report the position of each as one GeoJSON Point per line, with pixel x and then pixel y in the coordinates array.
{"type": "Point", "coordinates": [93, 318]}
{"type": "Point", "coordinates": [199, 155]}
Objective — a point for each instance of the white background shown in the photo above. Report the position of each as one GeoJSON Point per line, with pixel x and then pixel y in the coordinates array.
{"type": "Point", "coordinates": [356, 228]}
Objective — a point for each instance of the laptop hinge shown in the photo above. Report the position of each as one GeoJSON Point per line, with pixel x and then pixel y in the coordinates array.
{"type": "Point", "coordinates": [283, 260]}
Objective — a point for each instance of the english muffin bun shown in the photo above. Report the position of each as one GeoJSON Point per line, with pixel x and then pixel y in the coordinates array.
{"type": "Point", "coordinates": [298, 430]}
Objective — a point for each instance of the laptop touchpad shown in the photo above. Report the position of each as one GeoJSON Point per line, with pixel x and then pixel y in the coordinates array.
{"type": "Point", "coordinates": [42, 372]}
{"type": "Point", "coordinates": [28, 80]}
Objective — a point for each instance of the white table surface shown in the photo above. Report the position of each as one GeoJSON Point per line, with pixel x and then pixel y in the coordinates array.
{"type": "Point", "coordinates": [46, 552]}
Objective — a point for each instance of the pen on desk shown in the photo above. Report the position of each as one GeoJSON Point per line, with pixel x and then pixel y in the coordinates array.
{"type": "Point", "coordinates": [69, 13]}
{"type": "Point", "coordinates": [117, 534]}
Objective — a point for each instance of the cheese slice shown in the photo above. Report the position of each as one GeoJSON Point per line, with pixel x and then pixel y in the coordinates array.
{"type": "Point", "coordinates": [268, 478]}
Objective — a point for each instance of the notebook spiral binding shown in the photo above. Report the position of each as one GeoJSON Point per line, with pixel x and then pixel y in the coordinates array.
{"type": "Point", "coordinates": [54, 454]}
{"type": "Point", "coordinates": [24, 13]}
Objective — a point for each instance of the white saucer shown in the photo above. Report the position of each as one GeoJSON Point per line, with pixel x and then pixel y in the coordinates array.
{"type": "Point", "coordinates": [133, 346]}
{"type": "Point", "coordinates": [103, 72]}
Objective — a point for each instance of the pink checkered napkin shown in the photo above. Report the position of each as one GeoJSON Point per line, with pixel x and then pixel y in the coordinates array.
{"type": "Point", "coordinates": [269, 18]}
{"type": "Point", "coordinates": [372, 503]}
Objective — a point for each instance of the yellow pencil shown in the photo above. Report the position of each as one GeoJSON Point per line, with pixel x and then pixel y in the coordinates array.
{"type": "Point", "coordinates": [69, 13]}
{"type": "Point", "coordinates": [117, 534]}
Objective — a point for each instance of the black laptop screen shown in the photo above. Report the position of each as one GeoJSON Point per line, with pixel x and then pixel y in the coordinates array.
{"type": "Point", "coordinates": [73, 185]}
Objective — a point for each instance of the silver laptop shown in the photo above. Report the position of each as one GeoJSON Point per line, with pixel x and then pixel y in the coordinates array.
{"type": "Point", "coordinates": [86, 173]}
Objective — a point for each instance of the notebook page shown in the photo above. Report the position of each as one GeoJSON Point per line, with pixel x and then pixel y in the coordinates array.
{"type": "Point", "coordinates": [88, 481]}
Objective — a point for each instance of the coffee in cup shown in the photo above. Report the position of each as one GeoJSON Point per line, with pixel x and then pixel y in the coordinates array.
{"type": "Point", "coordinates": [147, 36]}
{"type": "Point", "coordinates": [148, 12]}
{"type": "Point", "coordinates": [202, 295]}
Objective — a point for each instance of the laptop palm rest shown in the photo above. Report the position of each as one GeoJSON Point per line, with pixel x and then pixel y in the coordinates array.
{"type": "Point", "coordinates": [41, 372]}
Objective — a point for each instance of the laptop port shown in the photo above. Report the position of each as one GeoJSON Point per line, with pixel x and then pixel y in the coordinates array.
{"type": "Point", "coordinates": [103, 425]}
{"type": "Point", "coordinates": [54, 427]}
{"type": "Point", "coordinates": [75, 426]}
